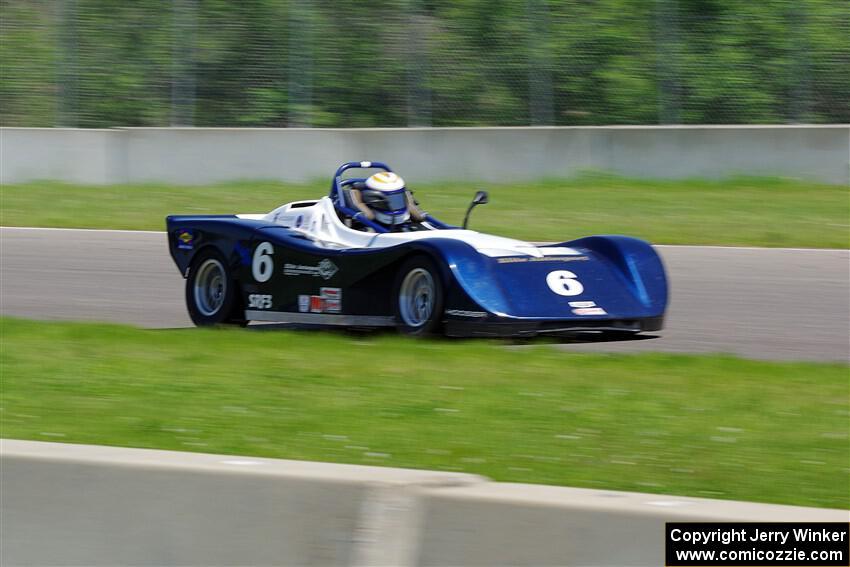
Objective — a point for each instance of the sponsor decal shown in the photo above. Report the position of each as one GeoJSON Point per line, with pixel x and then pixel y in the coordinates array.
{"type": "Point", "coordinates": [462, 313]}
{"type": "Point", "coordinates": [299, 270]}
{"type": "Point", "coordinates": [582, 304]}
{"type": "Point", "coordinates": [333, 299]}
{"type": "Point", "coordinates": [259, 301]}
{"type": "Point", "coordinates": [325, 270]}
{"type": "Point", "coordinates": [590, 311]}
{"type": "Point", "coordinates": [299, 221]}
{"type": "Point", "coordinates": [185, 239]}
{"type": "Point", "coordinates": [330, 292]}
{"type": "Point", "coordinates": [558, 250]}
{"type": "Point", "coordinates": [522, 259]}
{"type": "Point", "coordinates": [329, 301]}
{"type": "Point", "coordinates": [559, 259]}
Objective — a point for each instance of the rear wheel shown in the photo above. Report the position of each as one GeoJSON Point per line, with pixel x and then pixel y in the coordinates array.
{"type": "Point", "coordinates": [418, 297]}
{"type": "Point", "coordinates": [211, 296]}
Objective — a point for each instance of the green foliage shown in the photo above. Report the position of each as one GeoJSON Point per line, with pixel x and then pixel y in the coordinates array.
{"type": "Point", "coordinates": [100, 63]}
{"type": "Point", "coordinates": [28, 58]}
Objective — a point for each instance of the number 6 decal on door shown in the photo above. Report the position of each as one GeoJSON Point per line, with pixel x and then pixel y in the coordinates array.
{"type": "Point", "coordinates": [262, 266]}
{"type": "Point", "coordinates": [564, 282]}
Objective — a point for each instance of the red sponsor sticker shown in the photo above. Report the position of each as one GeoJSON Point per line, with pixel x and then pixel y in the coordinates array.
{"type": "Point", "coordinates": [590, 311]}
{"type": "Point", "coordinates": [331, 292]}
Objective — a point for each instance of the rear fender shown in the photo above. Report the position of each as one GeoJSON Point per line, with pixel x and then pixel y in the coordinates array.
{"type": "Point", "coordinates": [189, 235]}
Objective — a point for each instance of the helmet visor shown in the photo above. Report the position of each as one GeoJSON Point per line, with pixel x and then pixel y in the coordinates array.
{"type": "Point", "coordinates": [386, 201]}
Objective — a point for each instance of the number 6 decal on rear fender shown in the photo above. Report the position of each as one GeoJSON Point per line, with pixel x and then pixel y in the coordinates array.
{"type": "Point", "coordinates": [262, 266]}
{"type": "Point", "coordinates": [564, 282]}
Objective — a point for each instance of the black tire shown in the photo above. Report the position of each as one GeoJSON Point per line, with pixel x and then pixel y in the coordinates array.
{"type": "Point", "coordinates": [418, 298]}
{"type": "Point", "coordinates": [211, 292]}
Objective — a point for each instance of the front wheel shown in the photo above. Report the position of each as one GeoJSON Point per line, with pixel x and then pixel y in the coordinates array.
{"type": "Point", "coordinates": [211, 291]}
{"type": "Point", "coordinates": [418, 297]}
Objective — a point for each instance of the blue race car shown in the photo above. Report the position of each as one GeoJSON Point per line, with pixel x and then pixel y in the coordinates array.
{"type": "Point", "coordinates": [366, 255]}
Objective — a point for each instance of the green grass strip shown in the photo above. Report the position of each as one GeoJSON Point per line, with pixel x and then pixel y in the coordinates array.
{"type": "Point", "coordinates": [708, 426]}
{"type": "Point", "coordinates": [746, 212]}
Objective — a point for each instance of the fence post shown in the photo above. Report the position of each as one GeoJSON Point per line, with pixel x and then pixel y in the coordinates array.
{"type": "Point", "coordinates": [184, 18]}
{"type": "Point", "coordinates": [540, 105]}
{"type": "Point", "coordinates": [418, 92]}
{"type": "Point", "coordinates": [666, 46]}
{"type": "Point", "coordinates": [66, 72]}
{"type": "Point", "coordinates": [800, 95]}
{"type": "Point", "coordinates": [300, 64]}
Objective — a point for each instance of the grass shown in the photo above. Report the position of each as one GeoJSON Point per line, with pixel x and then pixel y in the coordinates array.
{"type": "Point", "coordinates": [708, 426]}
{"type": "Point", "coordinates": [747, 212]}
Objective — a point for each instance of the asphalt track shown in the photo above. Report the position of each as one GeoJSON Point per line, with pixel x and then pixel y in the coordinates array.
{"type": "Point", "coordinates": [772, 304]}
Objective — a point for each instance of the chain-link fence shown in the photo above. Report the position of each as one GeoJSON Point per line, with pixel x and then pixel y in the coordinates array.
{"type": "Point", "coordinates": [349, 63]}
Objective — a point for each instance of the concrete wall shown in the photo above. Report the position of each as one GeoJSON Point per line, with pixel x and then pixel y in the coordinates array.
{"type": "Point", "coordinates": [523, 524]}
{"type": "Point", "coordinates": [208, 155]}
{"type": "Point", "coordinates": [77, 504]}
{"type": "Point", "coordinates": [68, 504]}
{"type": "Point", "coordinates": [75, 156]}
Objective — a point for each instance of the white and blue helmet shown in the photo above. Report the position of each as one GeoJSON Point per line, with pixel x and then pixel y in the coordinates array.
{"type": "Point", "coordinates": [386, 197]}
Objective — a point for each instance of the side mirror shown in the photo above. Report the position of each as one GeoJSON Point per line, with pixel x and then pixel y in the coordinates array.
{"type": "Point", "coordinates": [481, 198]}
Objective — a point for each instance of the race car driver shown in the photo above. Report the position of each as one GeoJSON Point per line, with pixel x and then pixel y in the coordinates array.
{"type": "Point", "coordinates": [383, 198]}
